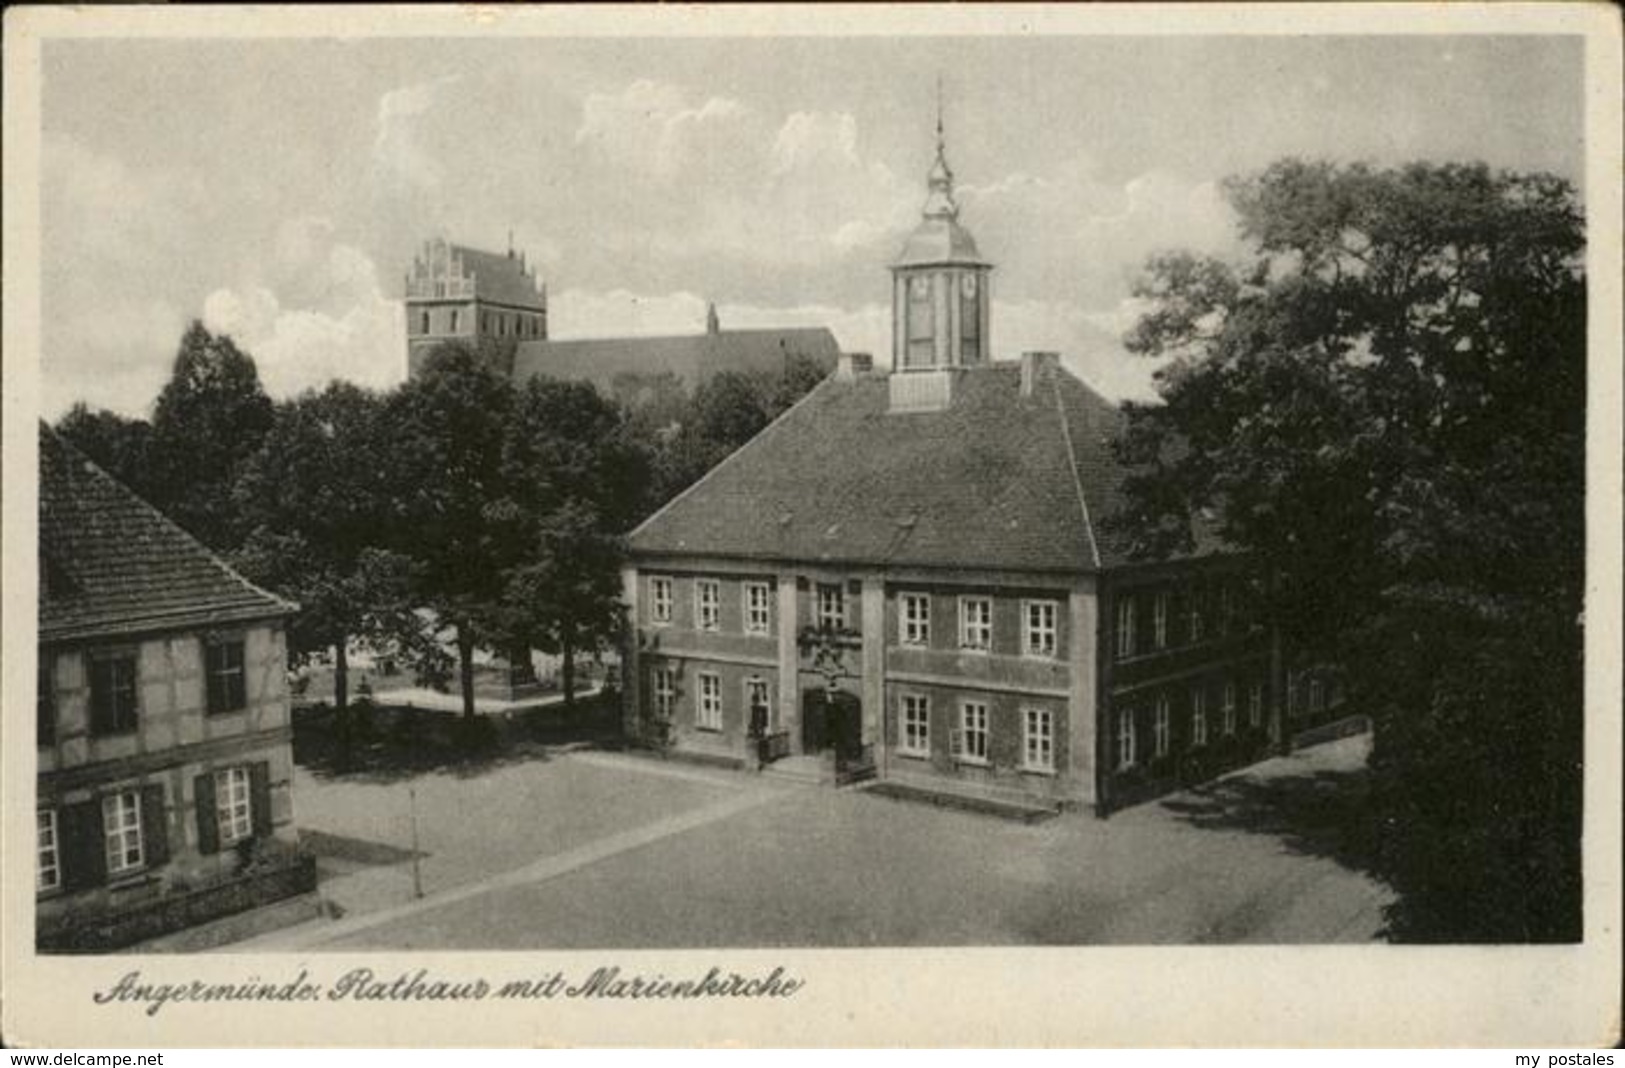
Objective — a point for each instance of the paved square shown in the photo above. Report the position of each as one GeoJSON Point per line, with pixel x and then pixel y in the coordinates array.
{"type": "Point", "coordinates": [598, 850]}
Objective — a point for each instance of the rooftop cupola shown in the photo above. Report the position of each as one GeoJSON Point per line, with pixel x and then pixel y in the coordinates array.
{"type": "Point", "coordinates": [940, 299]}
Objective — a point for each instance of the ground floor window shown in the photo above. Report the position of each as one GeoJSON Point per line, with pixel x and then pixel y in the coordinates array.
{"type": "Point", "coordinates": [48, 872]}
{"type": "Point", "coordinates": [1038, 739]}
{"type": "Point", "coordinates": [1125, 739]}
{"type": "Point", "coordinates": [710, 714]}
{"type": "Point", "coordinates": [916, 724]}
{"type": "Point", "coordinates": [1227, 708]}
{"type": "Point", "coordinates": [973, 732]}
{"type": "Point", "coordinates": [665, 688]}
{"type": "Point", "coordinates": [1160, 728]}
{"type": "Point", "coordinates": [757, 704]}
{"type": "Point", "coordinates": [233, 813]}
{"type": "Point", "coordinates": [1198, 716]}
{"type": "Point", "coordinates": [121, 822]}
{"type": "Point", "coordinates": [1255, 705]}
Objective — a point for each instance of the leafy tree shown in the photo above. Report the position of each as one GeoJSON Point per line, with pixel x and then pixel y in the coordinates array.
{"type": "Point", "coordinates": [210, 417]}
{"type": "Point", "coordinates": [574, 483]}
{"type": "Point", "coordinates": [1387, 406]}
{"type": "Point", "coordinates": [316, 515]}
{"type": "Point", "coordinates": [450, 514]}
{"type": "Point", "coordinates": [117, 444]}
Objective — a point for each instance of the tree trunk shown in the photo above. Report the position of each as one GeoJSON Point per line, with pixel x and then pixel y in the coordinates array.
{"type": "Point", "coordinates": [465, 663]}
{"type": "Point", "coordinates": [341, 698]}
{"type": "Point", "coordinates": [567, 650]}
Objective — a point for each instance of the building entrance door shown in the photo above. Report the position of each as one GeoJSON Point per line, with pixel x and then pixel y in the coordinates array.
{"type": "Point", "coordinates": [831, 721]}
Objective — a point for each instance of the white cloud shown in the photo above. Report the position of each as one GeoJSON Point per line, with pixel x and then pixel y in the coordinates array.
{"type": "Point", "coordinates": [652, 127]}
{"type": "Point", "coordinates": [354, 333]}
{"type": "Point", "coordinates": [398, 152]}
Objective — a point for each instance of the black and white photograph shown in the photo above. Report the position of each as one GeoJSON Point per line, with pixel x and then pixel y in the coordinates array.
{"type": "Point", "coordinates": [698, 503]}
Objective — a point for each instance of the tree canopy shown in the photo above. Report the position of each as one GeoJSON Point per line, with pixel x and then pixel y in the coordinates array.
{"type": "Point", "coordinates": [1386, 404]}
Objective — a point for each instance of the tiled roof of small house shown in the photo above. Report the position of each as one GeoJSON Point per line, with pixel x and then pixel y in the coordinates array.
{"type": "Point", "coordinates": [111, 564]}
{"type": "Point", "coordinates": [995, 480]}
{"type": "Point", "coordinates": [691, 357]}
{"type": "Point", "coordinates": [499, 278]}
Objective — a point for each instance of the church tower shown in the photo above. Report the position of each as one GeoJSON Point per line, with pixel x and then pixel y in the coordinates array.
{"type": "Point", "coordinates": [940, 298]}
{"type": "Point", "coordinates": [455, 293]}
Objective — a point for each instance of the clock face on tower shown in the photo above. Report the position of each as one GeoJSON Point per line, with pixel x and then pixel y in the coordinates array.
{"type": "Point", "coordinates": [967, 285]}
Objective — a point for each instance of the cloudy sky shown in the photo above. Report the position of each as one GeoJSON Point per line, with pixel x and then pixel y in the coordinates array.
{"type": "Point", "coordinates": [277, 189]}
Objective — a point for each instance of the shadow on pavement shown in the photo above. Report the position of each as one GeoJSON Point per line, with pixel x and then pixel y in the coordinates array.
{"type": "Point", "coordinates": [383, 744]}
{"type": "Point", "coordinates": [1322, 813]}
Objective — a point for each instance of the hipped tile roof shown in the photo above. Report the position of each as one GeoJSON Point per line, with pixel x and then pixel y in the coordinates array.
{"type": "Point", "coordinates": [996, 480]}
{"type": "Point", "coordinates": [112, 565]}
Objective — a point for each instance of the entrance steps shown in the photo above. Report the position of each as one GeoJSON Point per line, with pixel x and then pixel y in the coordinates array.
{"type": "Point", "coordinates": [811, 768]}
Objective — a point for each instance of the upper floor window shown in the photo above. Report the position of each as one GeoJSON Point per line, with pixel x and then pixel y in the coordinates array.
{"type": "Point", "coordinates": [831, 606]}
{"type": "Point", "coordinates": [423, 323]}
{"type": "Point", "coordinates": [758, 617]}
{"type": "Point", "coordinates": [665, 680]}
{"type": "Point", "coordinates": [455, 315]}
{"type": "Point", "coordinates": [1195, 617]}
{"type": "Point", "coordinates": [1039, 636]}
{"type": "Point", "coordinates": [916, 724]}
{"type": "Point", "coordinates": [224, 680]}
{"type": "Point", "coordinates": [708, 604]}
{"type": "Point", "coordinates": [121, 825]}
{"type": "Point", "coordinates": [1038, 739]}
{"type": "Point", "coordinates": [1159, 621]}
{"type": "Point", "coordinates": [915, 619]}
{"type": "Point", "coordinates": [1125, 627]}
{"type": "Point", "coordinates": [48, 866]}
{"type": "Point", "coordinates": [973, 723]}
{"type": "Point", "coordinates": [660, 600]}
{"type": "Point", "coordinates": [710, 711]}
{"type": "Point", "coordinates": [976, 624]}
{"type": "Point", "coordinates": [114, 706]}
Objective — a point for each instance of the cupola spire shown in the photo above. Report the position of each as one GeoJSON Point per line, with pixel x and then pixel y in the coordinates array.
{"type": "Point", "coordinates": [939, 202]}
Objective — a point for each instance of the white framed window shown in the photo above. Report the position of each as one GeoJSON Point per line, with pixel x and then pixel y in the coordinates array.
{"type": "Point", "coordinates": [758, 695]}
{"type": "Point", "coordinates": [831, 606]}
{"type": "Point", "coordinates": [916, 716]}
{"type": "Point", "coordinates": [1227, 708]}
{"type": "Point", "coordinates": [973, 722]}
{"type": "Point", "coordinates": [1038, 739]}
{"type": "Point", "coordinates": [976, 624]}
{"type": "Point", "coordinates": [1255, 704]}
{"type": "Point", "coordinates": [1198, 716]}
{"type": "Point", "coordinates": [231, 803]}
{"type": "Point", "coordinates": [1317, 695]}
{"type": "Point", "coordinates": [1227, 607]}
{"type": "Point", "coordinates": [758, 611]}
{"type": "Point", "coordinates": [1125, 739]}
{"type": "Point", "coordinates": [121, 823]}
{"type": "Point", "coordinates": [710, 711]}
{"type": "Point", "coordinates": [665, 689]}
{"type": "Point", "coordinates": [1039, 634]}
{"type": "Point", "coordinates": [914, 619]}
{"type": "Point", "coordinates": [707, 604]}
{"type": "Point", "coordinates": [1159, 621]}
{"type": "Point", "coordinates": [48, 870]}
{"type": "Point", "coordinates": [660, 600]}
{"type": "Point", "coordinates": [1160, 727]}
{"type": "Point", "coordinates": [1125, 627]}
{"type": "Point", "coordinates": [1196, 623]}
{"type": "Point", "coordinates": [225, 682]}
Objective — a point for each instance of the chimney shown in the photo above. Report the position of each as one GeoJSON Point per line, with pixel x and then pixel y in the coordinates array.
{"type": "Point", "coordinates": [849, 365]}
{"type": "Point", "coordinates": [1037, 367]}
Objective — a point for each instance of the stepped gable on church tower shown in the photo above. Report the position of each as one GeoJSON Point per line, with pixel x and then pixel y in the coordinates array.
{"type": "Point", "coordinates": [456, 293]}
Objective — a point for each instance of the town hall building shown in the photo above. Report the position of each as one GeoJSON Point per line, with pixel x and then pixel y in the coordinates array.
{"type": "Point", "coordinates": [910, 577]}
